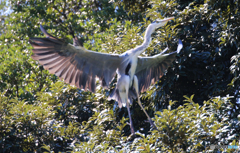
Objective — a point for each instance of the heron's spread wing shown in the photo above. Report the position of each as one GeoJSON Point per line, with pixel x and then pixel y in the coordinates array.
{"type": "Point", "coordinates": [150, 69]}
{"type": "Point", "coordinates": [74, 64]}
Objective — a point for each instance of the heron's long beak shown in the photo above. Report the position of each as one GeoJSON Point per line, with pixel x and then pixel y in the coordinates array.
{"type": "Point", "coordinates": [168, 19]}
{"type": "Point", "coordinates": [164, 21]}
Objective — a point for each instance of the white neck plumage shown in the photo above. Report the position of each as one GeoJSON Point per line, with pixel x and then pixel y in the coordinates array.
{"type": "Point", "coordinates": [147, 40]}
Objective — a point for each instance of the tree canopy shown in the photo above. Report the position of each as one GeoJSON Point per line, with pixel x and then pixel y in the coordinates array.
{"type": "Point", "coordinates": [194, 105]}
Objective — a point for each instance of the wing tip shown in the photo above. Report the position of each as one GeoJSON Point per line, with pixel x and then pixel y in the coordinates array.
{"type": "Point", "coordinates": [44, 31]}
{"type": "Point", "coordinates": [180, 46]}
{"type": "Point", "coordinates": [48, 35]}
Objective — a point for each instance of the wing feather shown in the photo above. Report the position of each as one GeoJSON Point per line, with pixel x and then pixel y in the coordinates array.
{"type": "Point", "coordinates": [150, 69]}
{"type": "Point", "coordinates": [75, 64]}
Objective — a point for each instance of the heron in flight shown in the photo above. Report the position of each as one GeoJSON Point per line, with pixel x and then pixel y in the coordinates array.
{"type": "Point", "coordinates": [80, 67]}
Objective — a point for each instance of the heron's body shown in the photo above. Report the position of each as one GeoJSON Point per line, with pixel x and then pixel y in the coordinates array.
{"type": "Point", "coordinates": [79, 66]}
{"type": "Point", "coordinates": [129, 68]}
{"type": "Point", "coordinates": [125, 79]}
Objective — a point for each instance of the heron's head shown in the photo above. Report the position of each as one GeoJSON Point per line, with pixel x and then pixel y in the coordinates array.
{"type": "Point", "coordinates": [159, 23]}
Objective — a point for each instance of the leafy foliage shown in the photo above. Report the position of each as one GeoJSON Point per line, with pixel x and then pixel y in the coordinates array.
{"type": "Point", "coordinates": [38, 112]}
{"type": "Point", "coordinates": [190, 128]}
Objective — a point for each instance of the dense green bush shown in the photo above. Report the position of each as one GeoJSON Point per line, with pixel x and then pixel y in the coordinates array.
{"type": "Point", "coordinates": [38, 112]}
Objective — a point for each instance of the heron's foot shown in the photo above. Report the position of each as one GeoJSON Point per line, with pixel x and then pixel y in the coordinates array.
{"type": "Point", "coordinates": [131, 137]}
{"type": "Point", "coordinates": [132, 129]}
{"type": "Point", "coordinates": [152, 124]}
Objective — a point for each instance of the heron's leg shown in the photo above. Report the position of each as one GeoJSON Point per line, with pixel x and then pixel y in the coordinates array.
{"type": "Point", "coordinates": [135, 85]}
{"type": "Point", "coordinates": [123, 87]}
{"type": "Point", "coordinates": [130, 118]}
{"type": "Point", "coordinates": [150, 120]}
{"type": "Point", "coordinates": [128, 109]}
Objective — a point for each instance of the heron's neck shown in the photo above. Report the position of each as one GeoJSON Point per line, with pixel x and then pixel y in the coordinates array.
{"type": "Point", "coordinates": [147, 40]}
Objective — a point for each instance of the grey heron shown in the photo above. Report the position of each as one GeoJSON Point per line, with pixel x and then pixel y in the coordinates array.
{"type": "Point", "coordinates": [80, 67]}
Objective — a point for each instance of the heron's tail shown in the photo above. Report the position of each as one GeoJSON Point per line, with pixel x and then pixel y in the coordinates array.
{"type": "Point", "coordinates": [115, 95]}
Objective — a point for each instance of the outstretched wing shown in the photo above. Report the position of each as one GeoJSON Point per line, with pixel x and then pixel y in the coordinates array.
{"type": "Point", "coordinates": [150, 69]}
{"type": "Point", "coordinates": [75, 64]}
